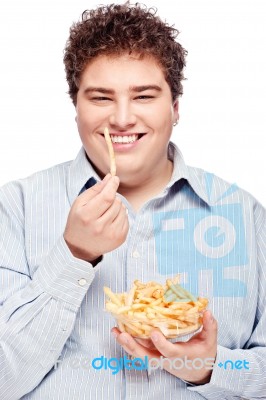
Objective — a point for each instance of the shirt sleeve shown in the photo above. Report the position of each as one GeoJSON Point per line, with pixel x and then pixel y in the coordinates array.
{"type": "Point", "coordinates": [247, 379]}
{"type": "Point", "coordinates": [37, 313]}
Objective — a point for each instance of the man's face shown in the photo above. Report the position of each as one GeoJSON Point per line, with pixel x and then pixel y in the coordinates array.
{"type": "Point", "coordinates": [132, 98]}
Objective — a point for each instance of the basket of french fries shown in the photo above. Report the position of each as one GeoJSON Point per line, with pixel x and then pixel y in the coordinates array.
{"type": "Point", "coordinates": [170, 308]}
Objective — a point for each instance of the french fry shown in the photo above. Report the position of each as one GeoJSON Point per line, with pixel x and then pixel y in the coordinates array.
{"type": "Point", "coordinates": [134, 328]}
{"type": "Point", "coordinates": [111, 307]}
{"type": "Point", "coordinates": [151, 315]}
{"type": "Point", "coordinates": [112, 296]}
{"type": "Point", "coordinates": [145, 300]}
{"type": "Point", "coordinates": [121, 326]}
{"type": "Point", "coordinates": [182, 306]}
{"type": "Point", "coordinates": [139, 284]}
{"type": "Point", "coordinates": [139, 306]}
{"type": "Point", "coordinates": [168, 311]}
{"type": "Point", "coordinates": [169, 307]}
{"type": "Point", "coordinates": [130, 296]}
{"type": "Point", "coordinates": [158, 293]}
{"type": "Point", "coordinates": [111, 151]}
{"type": "Point", "coordinates": [122, 310]}
{"type": "Point", "coordinates": [170, 298]}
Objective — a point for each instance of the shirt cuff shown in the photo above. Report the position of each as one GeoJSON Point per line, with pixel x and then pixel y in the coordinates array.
{"type": "Point", "coordinates": [223, 379]}
{"type": "Point", "coordinates": [64, 276]}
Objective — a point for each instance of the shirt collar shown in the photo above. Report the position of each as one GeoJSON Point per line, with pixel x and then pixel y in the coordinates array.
{"type": "Point", "coordinates": [193, 176]}
{"type": "Point", "coordinates": [82, 175]}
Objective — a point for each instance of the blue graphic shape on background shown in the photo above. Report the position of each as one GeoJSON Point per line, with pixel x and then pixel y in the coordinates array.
{"type": "Point", "coordinates": [211, 238]}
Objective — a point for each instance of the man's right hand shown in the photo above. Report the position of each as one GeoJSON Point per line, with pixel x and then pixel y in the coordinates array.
{"type": "Point", "coordinates": [97, 222]}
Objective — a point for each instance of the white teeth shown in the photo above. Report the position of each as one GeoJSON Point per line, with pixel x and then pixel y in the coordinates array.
{"type": "Point", "coordinates": [124, 139]}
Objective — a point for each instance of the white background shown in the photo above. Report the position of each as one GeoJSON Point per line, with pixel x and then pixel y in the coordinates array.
{"type": "Point", "coordinates": [222, 113]}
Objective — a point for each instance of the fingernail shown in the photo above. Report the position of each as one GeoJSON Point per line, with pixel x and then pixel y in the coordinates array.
{"type": "Point", "coordinates": [114, 334]}
{"type": "Point", "coordinates": [154, 337]}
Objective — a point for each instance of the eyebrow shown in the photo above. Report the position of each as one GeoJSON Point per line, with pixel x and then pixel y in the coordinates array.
{"type": "Point", "coordinates": [137, 89]}
{"type": "Point", "coordinates": [145, 87]}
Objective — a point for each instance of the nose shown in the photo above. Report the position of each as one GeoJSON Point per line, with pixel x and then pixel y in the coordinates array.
{"type": "Point", "coordinates": [122, 116]}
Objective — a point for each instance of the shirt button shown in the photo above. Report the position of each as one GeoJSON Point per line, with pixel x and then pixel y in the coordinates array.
{"type": "Point", "coordinates": [82, 282]}
{"type": "Point", "coordinates": [135, 254]}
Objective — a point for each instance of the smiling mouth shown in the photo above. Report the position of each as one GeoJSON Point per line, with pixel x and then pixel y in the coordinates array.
{"type": "Point", "coordinates": [125, 139]}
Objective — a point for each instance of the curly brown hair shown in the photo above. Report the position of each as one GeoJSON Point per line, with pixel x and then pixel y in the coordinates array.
{"type": "Point", "coordinates": [116, 29]}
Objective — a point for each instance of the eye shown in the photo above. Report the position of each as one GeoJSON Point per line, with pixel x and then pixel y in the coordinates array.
{"type": "Point", "coordinates": [100, 98]}
{"type": "Point", "coordinates": [144, 97]}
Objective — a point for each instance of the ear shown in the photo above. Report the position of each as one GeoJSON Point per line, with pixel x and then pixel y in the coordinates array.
{"type": "Point", "coordinates": [176, 109]}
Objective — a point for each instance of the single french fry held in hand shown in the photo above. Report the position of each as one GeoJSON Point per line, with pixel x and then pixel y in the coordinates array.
{"type": "Point", "coordinates": [111, 151]}
{"type": "Point", "coordinates": [170, 307]}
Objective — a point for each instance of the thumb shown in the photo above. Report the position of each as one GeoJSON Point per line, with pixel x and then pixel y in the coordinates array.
{"type": "Point", "coordinates": [209, 328]}
{"type": "Point", "coordinates": [208, 321]}
{"type": "Point", "coordinates": [93, 191]}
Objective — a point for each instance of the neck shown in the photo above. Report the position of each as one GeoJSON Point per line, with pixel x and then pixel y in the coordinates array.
{"type": "Point", "coordinates": [139, 192]}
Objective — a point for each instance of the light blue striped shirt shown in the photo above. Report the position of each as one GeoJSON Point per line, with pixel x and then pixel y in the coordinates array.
{"type": "Point", "coordinates": [52, 304]}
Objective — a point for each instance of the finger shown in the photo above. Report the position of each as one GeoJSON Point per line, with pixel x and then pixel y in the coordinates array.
{"type": "Point", "coordinates": [111, 214]}
{"type": "Point", "coordinates": [146, 343]}
{"type": "Point", "coordinates": [88, 194]}
{"type": "Point", "coordinates": [131, 346]}
{"type": "Point", "coordinates": [125, 226]}
{"type": "Point", "coordinates": [210, 327]}
{"type": "Point", "coordinates": [115, 331]}
{"type": "Point", "coordinates": [120, 226]}
{"type": "Point", "coordinates": [120, 218]}
{"type": "Point", "coordinates": [143, 342]}
{"type": "Point", "coordinates": [103, 200]}
{"type": "Point", "coordinates": [166, 348]}
{"type": "Point", "coordinates": [123, 339]}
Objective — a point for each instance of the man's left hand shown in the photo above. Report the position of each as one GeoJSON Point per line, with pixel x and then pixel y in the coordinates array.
{"type": "Point", "coordinates": [202, 345]}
